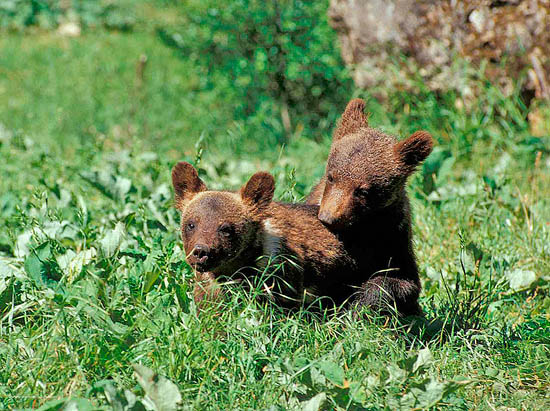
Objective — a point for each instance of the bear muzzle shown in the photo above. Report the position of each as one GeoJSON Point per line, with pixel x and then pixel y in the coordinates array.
{"type": "Point", "coordinates": [201, 257]}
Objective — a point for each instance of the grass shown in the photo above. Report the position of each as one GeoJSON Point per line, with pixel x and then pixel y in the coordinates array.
{"type": "Point", "coordinates": [92, 275]}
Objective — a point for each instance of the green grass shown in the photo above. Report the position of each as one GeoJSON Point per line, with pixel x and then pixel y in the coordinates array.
{"type": "Point", "coordinates": [92, 275]}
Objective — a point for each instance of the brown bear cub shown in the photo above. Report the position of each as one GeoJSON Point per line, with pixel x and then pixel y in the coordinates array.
{"type": "Point", "coordinates": [227, 233]}
{"type": "Point", "coordinates": [362, 198]}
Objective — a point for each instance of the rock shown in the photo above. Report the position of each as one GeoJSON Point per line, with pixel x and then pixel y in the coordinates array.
{"type": "Point", "coordinates": [69, 29]}
{"type": "Point", "coordinates": [478, 18]}
{"type": "Point", "coordinates": [511, 37]}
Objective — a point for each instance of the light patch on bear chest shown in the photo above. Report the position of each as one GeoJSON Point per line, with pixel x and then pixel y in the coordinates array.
{"type": "Point", "coordinates": [271, 239]}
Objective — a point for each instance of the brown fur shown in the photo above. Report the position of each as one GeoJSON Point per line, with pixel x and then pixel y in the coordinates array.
{"type": "Point", "coordinates": [234, 230]}
{"type": "Point", "coordinates": [352, 121]}
{"type": "Point", "coordinates": [316, 194]}
{"type": "Point", "coordinates": [362, 198]}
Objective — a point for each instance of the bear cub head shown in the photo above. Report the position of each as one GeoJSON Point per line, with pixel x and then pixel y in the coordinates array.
{"type": "Point", "coordinates": [219, 227]}
{"type": "Point", "coordinates": [366, 170]}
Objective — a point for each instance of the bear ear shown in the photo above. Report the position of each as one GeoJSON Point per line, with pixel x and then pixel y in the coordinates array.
{"type": "Point", "coordinates": [186, 182]}
{"type": "Point", "coordinates": [258, 191]}
{"type": "Point", "coordinates": [353, 119]}
{"type": "Point", "coordinates": [413, 150]}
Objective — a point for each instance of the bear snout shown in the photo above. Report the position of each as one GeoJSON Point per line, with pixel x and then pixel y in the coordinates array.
{"type": "Point", "coordinates": [200, 257]}
{"type": "Point", "coordinates": [201, 252]}
{"type": "Point", "coordinates": [332, 221]}
{"type": "Point", "coordinates": [333, 211]}
{"type": "Point", "coordinates": [326, 217]}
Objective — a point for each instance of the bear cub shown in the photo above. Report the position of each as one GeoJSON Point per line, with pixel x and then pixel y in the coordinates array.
{"type": "Point", "coordinates": [235, 234]}
{"type": "Point", "coordinates": [362, 198]}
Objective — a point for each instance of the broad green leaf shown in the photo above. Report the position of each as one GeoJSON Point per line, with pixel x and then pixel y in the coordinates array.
{"type": "Point", "coordinates": [22, 244]}
{"type": "Point", "coordinates": [373, 381]}
{"type": "Point", "coordinates": [396, 373]}
{"type": "Point", "coordinates": [40, 265]}
{"type": "Point", "coordinates": [428, 394]}
{"type": "Point", "coordinates": [34, 264]}
{"type": "Point", "coordinates": [74, 404]}
{"type": "Point", "coordinates": [160, 390]}
{"type": "Point", "coordinates": [8, 270]}
{"type": "Point", "coordinates": [357, 392]}
{"type": "Point", "coordinates": [120, 400]}
{"type": "Point", "coordinates": [81, 259]}
{"type": "Point", "coordinates": [122, 187]}
{"type": "Point", "coordinates": [150, 279]}
{"type": "Point", "coordinates": [112, 240]}
{"type": "Point", "coordinates": [134, 403]}
{"type": "Point", "coordinates": [423, 359]}
{"type": "Point", "coordinates": [315, 403]}
{"type": "Point", "coordinates": [520, 279]}
{"type": "Point", "coordinates": [52, 405]}
{"type": "Point", "coordinates": [153, 207]}
{"type": "Point", "coordinates": [4, 278]}
{"type": "Point", "coordinates": [333, 372]}
{"type": "Point", "coordinates": [78, 404]}
{"type": "Point", "coordinates": [63, 260]}
{"type": "Point", "coordinates": [113, 396]}
{"type": "Point", "coordinates": [467, 260]}
{"type": "Point", "coordinates": [114, 187]}
{"type": "Point", "coordinates": [59, 230]}
{"type": "Point", "coordinates": [182, 296]}
{"type": "Point", "coordinates": [72, 263]}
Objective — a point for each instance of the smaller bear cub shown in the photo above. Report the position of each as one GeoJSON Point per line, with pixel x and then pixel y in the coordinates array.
{"type": "Point", "coordinates": [227, 233]}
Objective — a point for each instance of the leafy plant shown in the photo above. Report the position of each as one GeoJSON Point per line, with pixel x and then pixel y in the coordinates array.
{"type": "Point", "coordinates": [49, 13]}
{"type": "Point", "coordinates": [281, 57]}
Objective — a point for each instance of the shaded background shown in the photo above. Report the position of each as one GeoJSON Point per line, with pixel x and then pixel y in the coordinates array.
{"type": "Point", "coordinates": [251, 76]}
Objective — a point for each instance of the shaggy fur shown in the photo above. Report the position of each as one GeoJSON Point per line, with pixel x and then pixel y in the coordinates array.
{"type": "Point", "coordinates": [227, 234]}
{"type": "Point", "coordinates": [362, 199]}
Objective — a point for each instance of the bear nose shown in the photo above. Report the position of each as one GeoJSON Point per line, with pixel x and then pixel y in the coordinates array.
{"type": "Point", "coordinates": [326, 217]}
{"type": "Point", "coordinates": [201, 252]}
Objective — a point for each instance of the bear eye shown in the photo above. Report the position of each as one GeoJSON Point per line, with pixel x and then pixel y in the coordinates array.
{"type": "Point", "coordinates": [330, 178]}
{"type": "Point", "coordinates": [361, 193]}
{"type": "Point", "coordinates": [189, 227]}
{"type": "Point", "coordinates": [226, 229]}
